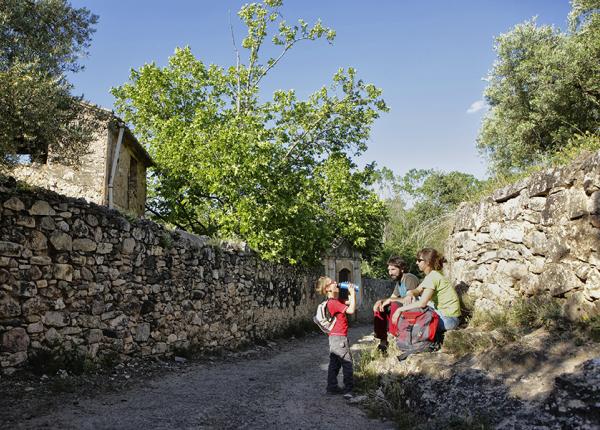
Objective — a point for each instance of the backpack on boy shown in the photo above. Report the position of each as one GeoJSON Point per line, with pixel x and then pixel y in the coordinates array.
{"type": "Point", "coordinates": [323, 318]}
{"type": "Point", "coordinates": [417, 331]}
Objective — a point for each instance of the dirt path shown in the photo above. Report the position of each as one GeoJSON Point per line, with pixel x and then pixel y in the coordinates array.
{"type": "Point", "coordinates": [283, 388]}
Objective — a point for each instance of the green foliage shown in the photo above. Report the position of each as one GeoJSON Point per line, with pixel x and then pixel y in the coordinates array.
{"type": "Point", "coordinates": [277, 174]}
{"type": "Point", "coordinates": [366, 374]}
{"type": "Point", "coordinates": [50, 361]}
{"type": "Point", "coordinates": [41, 40]}
{"type": "Point", "coordinates": [166, 240]}
{"type": "Point", "coordinates": [590, 327]}
{"type": "Point", "coordinates": [427, 221]}
{"type": "Point", "coordinates": [543, 88]}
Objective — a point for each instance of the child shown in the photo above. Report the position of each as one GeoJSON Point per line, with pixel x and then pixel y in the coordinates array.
{"type": "Point", "coordinates": [339, 347]}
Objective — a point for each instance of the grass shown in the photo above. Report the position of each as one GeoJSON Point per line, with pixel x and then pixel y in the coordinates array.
{"type": "Point", "coordinates": [366, 374]}
{"type": "Point", "coordinates": [487, 329]}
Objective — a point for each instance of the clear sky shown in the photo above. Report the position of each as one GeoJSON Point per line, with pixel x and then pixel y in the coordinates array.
{"type": "Point", "coordinates": [429, 57]}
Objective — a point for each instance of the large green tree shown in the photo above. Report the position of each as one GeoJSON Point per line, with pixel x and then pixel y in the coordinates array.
{"type": "Point", "coordinates": [41, 41]}
{"type": "Point", "coordinates": [278, 174]}
{"type": "Point", "coordinates": [420, 206]}
{"type": "Point", "coordinates": [543, 89]}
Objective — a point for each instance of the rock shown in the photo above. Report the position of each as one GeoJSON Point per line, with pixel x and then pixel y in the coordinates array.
{"type": "Point", "coordinates": [10, 249]}
{"type": "Point", "coordinates": [38, 241]}
{"type": "Point", "coordinates": [14, 203]}
{"type": "Point", "coordinates": [142, 332]}
{"type": "Point", "coordinates": [41, 207]}
{"type": "Point", "coordinates": [61, 241]}
{"type": "Point", "coordinates": [15, 340]}
{"type": "Point", "coordinates": [9, 307]}
{"type": "Point", "coordinates": [64, 272]}
{"type": "Point", "coordinates": [104, 248]}
{"type": "Point", "coordinates": [94, 336]}
{"type": "Point", "coordinates": [128, 246]}
{"type": "Point", "coordinates": [56, 319]}
{"type": "Point", "coordinates": [85, 245]}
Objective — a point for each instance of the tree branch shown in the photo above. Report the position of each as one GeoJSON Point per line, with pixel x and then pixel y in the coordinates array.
{"type": "Point", "coordinates": [237, 66]}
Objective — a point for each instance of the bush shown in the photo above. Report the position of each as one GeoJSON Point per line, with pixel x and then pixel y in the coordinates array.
{"type": "Point", "coordinates": [50, 361]}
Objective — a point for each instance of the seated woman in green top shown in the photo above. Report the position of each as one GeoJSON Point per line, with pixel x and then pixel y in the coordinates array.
{"type": "Point", "coordinates": [435, 288]}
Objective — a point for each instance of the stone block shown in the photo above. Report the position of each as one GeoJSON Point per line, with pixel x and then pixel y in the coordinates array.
{"type": "Point", "coordinates": [592, 285]}
{"type": "Point", "coordinates": [85, 245]}
{"type": "Point", "coordinates": [61, 241]}
{"type": "Point", "coordinates": [40, 260]}
{"type": "Point", "coordinates": [15, 340]}
{"type": "Point", "coordinates": [56, 319]}
{"type": "Point", "coordinates": [558, 279]}
{"type": "Point", "coordinates": [9, 307]}
{"type": "Point", "coordinates": [10, 249]}
{"type": "Point", "coordinates": [142, 332]}
{"type": "Point", "coordinates": [14, 203]}
{"type": "Point", "coordinates": [104, 248]}
{"type": "Point", "coordinates": [128, 246]}
{"type": "Point", "coordinates": [47, 223]}
{"type": "Point", "coordinates": [37, 241]}
{"type": "Point", "coordinates": [41, 208]}
{"type": "Point", "coordinates": [64, 272]}
{"type": "Point", "coordinates": [26, 221]}
{"type": "Point", "coordinates": [36, 327]}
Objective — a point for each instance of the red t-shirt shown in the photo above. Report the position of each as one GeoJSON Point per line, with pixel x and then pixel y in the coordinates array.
{"type": "Point", "coordinates": [337, 308]}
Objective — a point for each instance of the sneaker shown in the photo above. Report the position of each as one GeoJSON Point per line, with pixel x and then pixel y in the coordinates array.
{"type": "Point", "coordinates": [348, 395]}
{"type": "Point", "coordinates": [333, 391]}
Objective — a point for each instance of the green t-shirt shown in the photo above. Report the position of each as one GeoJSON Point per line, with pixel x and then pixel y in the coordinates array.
{"type": "Point", "coordinates": [444, 296]}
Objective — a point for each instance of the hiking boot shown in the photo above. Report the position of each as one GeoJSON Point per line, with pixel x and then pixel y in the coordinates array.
{"type": "Point", "coordinates": [403, 356]}
{"type": "Point", "coordinates": [382, 349]}
{"type": "Point", "coordinates": [333, 391]}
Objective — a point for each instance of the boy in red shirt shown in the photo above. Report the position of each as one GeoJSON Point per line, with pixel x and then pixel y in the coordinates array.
{"type": "Point", "coordinates": [339, 347]}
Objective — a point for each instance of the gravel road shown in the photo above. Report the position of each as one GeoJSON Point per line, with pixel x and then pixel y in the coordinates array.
{"type": "Point", "coordinates": [280, 388]}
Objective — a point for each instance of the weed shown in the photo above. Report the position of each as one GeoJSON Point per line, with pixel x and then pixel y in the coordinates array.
{"type": "Point", "coordinates": [366, 376]}
{"type": "Point", "coordinates": [51, 360]}
{"type": "Point", "coordinates": [166, 240]}
{"type": "Point", "coordinates": [109, 359]}
{"type": "Point", "coordinates": [188, 350]}
{"type": "Point", "coordinates": [487, 329]}
{"type": "Point", "coordinates": [297, 329]}
{"type": "Point", "coordinates": [590, 328]}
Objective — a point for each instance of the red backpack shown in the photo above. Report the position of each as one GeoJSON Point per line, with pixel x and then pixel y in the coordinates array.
{"type": "Point", "coordinates": [416, 330]}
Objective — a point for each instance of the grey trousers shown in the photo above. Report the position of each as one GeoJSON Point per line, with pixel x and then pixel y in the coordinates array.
{"type": "Point", "coordinates": [339, 357]}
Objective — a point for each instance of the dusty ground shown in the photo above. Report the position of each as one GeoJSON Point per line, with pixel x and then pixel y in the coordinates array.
{"type": "Point", "coordinates": [278, 386]}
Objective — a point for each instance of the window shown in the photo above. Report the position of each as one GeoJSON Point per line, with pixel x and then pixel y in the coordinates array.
{"type": "Point", "coordinates": [344, 275]}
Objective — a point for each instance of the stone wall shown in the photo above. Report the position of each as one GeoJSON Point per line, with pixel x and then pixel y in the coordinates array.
{"type": "Point", "coordinates": [540, 235]}
{"type": "Point", "coordinates": [81, 276]}
{"type": "Point", "coordinates": [371, 291]}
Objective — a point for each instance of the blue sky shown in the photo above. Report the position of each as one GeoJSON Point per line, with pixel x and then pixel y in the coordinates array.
{"type": "Point", "coordinates": [429, 57]}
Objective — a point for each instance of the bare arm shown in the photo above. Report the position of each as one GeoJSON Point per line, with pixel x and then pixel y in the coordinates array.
{"type": "Point", "coordinates": [421, 303]}
{"type": "Point", "coordinates": [351, 299]}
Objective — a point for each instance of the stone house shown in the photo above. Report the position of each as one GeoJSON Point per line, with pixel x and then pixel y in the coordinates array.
{"type": "Point", "coordinates": [342, 262]}
{"type": "Point", "coordinates": [112, 173]}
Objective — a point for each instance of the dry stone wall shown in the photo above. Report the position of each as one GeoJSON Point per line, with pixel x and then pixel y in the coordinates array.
{"type": "Point", "coordinates": [538, 236]}
{"type": "Point", "coordinates": [80, 277]}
